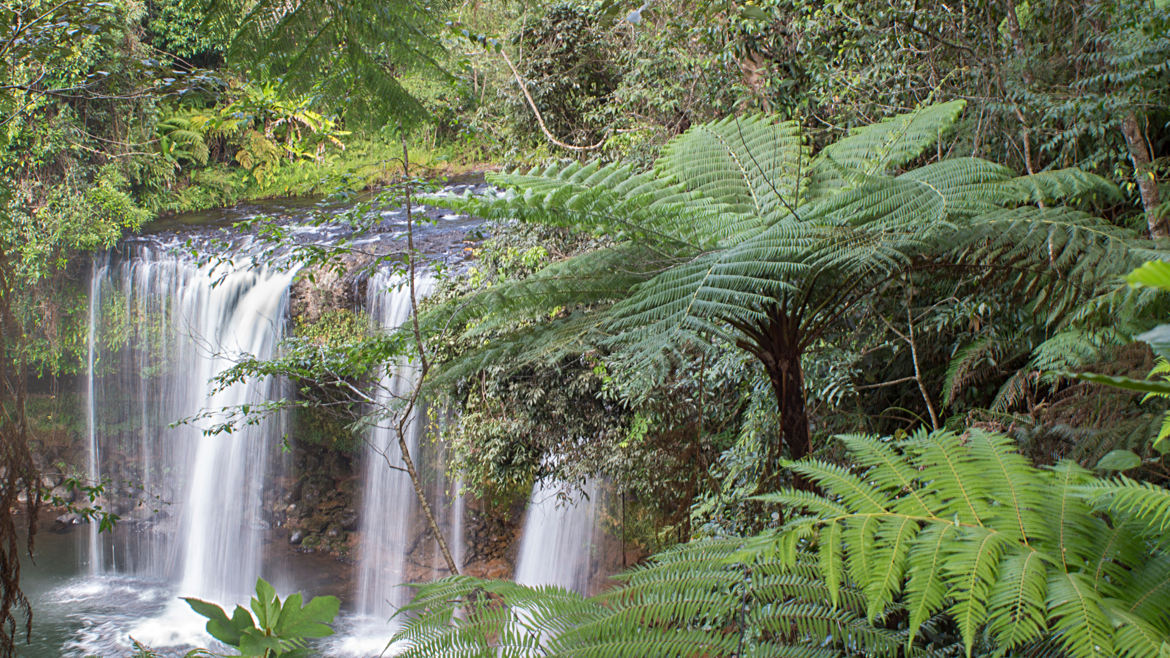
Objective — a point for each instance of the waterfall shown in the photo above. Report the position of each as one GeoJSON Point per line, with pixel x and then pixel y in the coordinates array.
{"type": "Point", "coordinates": [396, 546]}
{"type": "Point", "coordinates": [557, 545]}
{"type": "Point", "coordinates": [190, 502]}
{"type": "Point", "coordinates": [93, 471]}
{"type": "Point", "coordinates": [390, 515]}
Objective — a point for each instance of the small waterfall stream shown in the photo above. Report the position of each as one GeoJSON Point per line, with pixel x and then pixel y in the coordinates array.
{"type": "Point", "coordinates": [93, 468]}
{"type": "Point", "coordinates": [396, 546]}
{"type": "Point", "coordinates": [558, 542]}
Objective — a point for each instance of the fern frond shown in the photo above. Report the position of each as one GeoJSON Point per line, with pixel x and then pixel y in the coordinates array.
{"type": "Point", "coordinates": [1081, 626]}
{"type": "Point", "coordinates": [889, 144]}
{"type": "Point", "coordinates": [1019, 592]}
{"type": "Point", "coordinates": [753, 165]}
{"type": "Point", "coordinates": [1144, 502]}
{"type": "Point", "coordinates": [1060, 185]}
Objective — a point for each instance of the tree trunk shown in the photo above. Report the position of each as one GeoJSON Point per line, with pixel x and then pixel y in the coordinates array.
{"type": "Point", "coordinates": [782, 361]}
{"type": "Point", "coordinates": [1143, 173]}
{"type": "Point", "coordinates": [424, 367]}
{"type": "Point", "coordinates": [788, 386]}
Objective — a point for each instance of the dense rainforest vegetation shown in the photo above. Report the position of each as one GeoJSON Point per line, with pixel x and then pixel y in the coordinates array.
{"type": "Point", "coordinates": [859, 305]}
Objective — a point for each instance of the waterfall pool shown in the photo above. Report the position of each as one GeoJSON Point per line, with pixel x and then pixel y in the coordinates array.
{"type": "Point", "coordinates": [78, 614]}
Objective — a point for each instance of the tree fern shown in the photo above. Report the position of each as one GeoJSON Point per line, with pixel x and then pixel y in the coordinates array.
{"type": "Point", "coordinates": [740, 236]}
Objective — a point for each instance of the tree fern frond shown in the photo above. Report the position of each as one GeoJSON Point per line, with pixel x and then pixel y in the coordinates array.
{"type": "Point", "coordinates": [889, 144]}
{"type": "Point", "coordinates": [854, 491]}
{"type": "Point", "coordinates": [974, 362]}
{"type": "Point", "coordinates": [971, 570]}
{"type": "Point", "coordinates": [887, 470]}
{"type": "Point", "coordinates": [1060, 185]}
{"type": "Point", "coordinates": [1013, 483]}
{"type": "Point", "coordinates": [1136, 637]}
{"type": "Point", "coordinates": [754, 165]}
{"type": "Point", "coordinates": [944, 461]}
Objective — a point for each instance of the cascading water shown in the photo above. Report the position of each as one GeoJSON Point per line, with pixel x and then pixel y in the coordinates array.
{"type": "Point", "coordinates": [193, 518]}
{"type": "Point", "coordinates": [557, 547]}
{"type": "Point", "coordinates": [96, 562]}
{"type": "Point", "coordinates": [396, 545]}
{"type": "Point", "coordinates": [194, 500]}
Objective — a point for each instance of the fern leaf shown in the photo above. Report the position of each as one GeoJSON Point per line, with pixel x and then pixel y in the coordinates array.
{"type": "Point", "coordinates": [1082, 628]}
{"type": "Point", "coordinates": [926, 590]}
{"type": "Point", "coordinates": [1017, 597]}
{"type": "Point", "coordinates": [891, 143]}
{"type": "Point", "coordinates": [971, 570]}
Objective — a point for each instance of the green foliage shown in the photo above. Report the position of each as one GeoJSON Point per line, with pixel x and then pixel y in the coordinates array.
{"type": "Point", "coordinates": [176, 28]}
{"type": "Point", "coordinates": [569, 70]}
{"type": "Point", "coordinates": [741, 236]}
{"type": "Point", "coordinates": [937, 544]}
{"type": "Point", "coordinates": [324, 413]}
{"type": "Point", "coordinates": [1057, 79]}
{"type": "Point", "coordinates": [350, 53]}
{"type": "Point", "coordinates": [1015, 554]}
{"type": "Point", "coordinates": [278, 629]}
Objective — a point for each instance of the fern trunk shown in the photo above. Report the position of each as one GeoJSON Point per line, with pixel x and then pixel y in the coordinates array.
{"type": "Point", "coordinates": [778, 347]}
{"type": "Point", "coordinates": [788, 385]}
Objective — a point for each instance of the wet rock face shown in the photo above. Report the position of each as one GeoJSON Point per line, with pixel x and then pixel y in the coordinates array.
{"type": "Point", "coordinates": [492, 538]}
{"type": "Point", "coordinates": [326, 289]}
{"type": "Point", "coordinates": [315, 502]}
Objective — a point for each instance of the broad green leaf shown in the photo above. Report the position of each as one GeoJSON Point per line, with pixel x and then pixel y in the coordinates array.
{"type": "Point", "coordinates": [315, 616]}
{"type": "Point", "coordinates": [1119, 460]}
{"type": "Point", "coordinates": [219, 626]}
{"type": "Point", "coordinates": [255, 643]}
{"type": "Point", "coordinates": [290, 615]}
{"type": "Point", "coordinates": [266, 605]}
{"type": "Point", "coordinates": [1153, 274]}
{"type": "Point", "coordinates": [1128, 383]}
